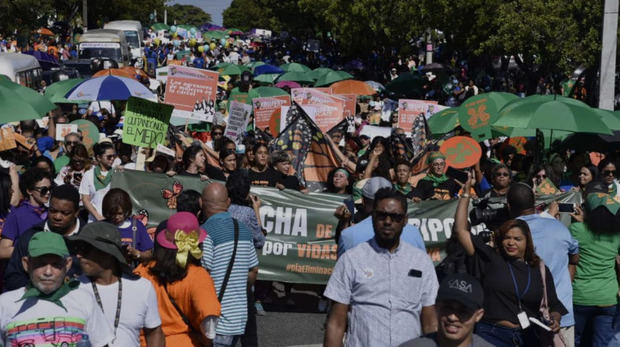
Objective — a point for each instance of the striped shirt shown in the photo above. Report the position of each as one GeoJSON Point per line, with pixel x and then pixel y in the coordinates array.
{"type": "Point", "coordinates": [217, 251]}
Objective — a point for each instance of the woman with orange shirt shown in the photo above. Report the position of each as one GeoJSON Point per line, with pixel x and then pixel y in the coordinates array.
{"type": "Point", "coordinates": [188, 305]}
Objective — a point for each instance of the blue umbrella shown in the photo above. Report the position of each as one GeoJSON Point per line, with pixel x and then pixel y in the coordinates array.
{"type": "Point", "coordinates": [47, 61]}
{"type": "Point", "coordinates": [109, 88]}
{"type": "Point", "coordinates": [267, 69]}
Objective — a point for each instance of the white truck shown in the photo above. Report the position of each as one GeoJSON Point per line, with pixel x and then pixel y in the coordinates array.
{"type": "Point", "coordinates": [133, 34]}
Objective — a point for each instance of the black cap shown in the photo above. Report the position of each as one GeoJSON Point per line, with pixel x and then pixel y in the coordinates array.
{"type": "Point", "coordinates": [462, 288]}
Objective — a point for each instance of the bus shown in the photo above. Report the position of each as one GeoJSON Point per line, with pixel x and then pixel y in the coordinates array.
{"type": "Point", "coordinates": [104, 43]}
{"type": "Point", "coordinates": [21, 68]}
{"type": "Point", "coordinates": [133, 34]}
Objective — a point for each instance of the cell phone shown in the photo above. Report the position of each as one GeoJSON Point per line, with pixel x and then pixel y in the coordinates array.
{"type": "Point", "coordinates": [77, 176]}
{"type": "Point", "coordinates": [566, 207]}
{"type": "Point", "coordinates": [458, 175]}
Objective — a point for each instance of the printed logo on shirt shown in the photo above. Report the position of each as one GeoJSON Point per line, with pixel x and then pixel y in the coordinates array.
{"type": "Point", "coordinates": [368, 273]}
{"type": "Point", "coordinates": [46, 331]}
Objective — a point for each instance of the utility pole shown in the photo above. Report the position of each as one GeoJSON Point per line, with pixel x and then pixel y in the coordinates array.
{"type": "Point", "coordinates": [429, 47]}
{"type": "Point", "coordinates": [85, 14]}
{"type": "Point", "coordinates": [165, 16]}
{"type": "Point", "coordinates": [607, 88]}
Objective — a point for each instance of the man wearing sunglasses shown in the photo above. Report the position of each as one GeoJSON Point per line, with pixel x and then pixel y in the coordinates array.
{"type": "Point", "coordinates": [385, 288]}
{"type": "Point", "coordinates": [62, 218]}
{"type": "Point", "coordinates": [459, 308]}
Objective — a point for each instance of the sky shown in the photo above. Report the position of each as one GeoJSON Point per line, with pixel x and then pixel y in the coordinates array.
{"type": "Point", "coordinates": [213, 7]}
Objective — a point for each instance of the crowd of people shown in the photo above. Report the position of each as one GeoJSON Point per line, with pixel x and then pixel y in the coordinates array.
{"type": "Point", "coordinates": [71, 247]}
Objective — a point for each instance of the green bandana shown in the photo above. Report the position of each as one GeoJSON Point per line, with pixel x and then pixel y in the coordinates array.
{"type": "Point", "coordinates": [434, 156]}
{"type": "Point", "coordinates": [613, 190]}
{"type": "Point", "coordinates": [33, 292]}
{"type": "Point", "coordinates": [595, 200]}
{"type": "Point", "coordinates": [437, 180]}
{"type": "Point", "coordinates": [102, 181]}
{"type": "Point", "coordinates": [404, 190]}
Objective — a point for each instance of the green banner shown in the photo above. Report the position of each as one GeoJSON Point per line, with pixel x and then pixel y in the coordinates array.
{"type": "Point", "coordinates": [300, 246]}
{"type": "Point", "coordinates": [146, 122]}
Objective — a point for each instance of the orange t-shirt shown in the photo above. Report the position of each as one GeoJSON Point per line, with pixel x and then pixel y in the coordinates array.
{"type": "Point", "coordinates": [195, 295]}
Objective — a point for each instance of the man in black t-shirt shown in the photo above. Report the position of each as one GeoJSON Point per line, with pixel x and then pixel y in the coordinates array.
{"type": "Point", "coordinates": [459, 307]}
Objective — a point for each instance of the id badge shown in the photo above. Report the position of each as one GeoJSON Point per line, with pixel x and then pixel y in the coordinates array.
{"type": "Point", "coordinates": [523, 320]}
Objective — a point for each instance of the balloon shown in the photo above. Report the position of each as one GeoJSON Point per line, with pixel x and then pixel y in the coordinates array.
{"type": "Point", "coordinates": [212, 45]}
{"type": "Point", "coordinates": [192, 30]}
{"type": "Point", "coordinates": [157, 41]}
{"type": "Point", "coordinates": [227, 45]}
{"type": "Point", "coordinates": [176, 43]}
{"type": "Point", "coordinates": [206, 48]}
{"type": "Point", "coordinates": [223, 41]}
{"type": "Point", "coordinates": [201, 49]}
{"type": "Point", "coordinates": [173, 28]}
{"type": "Point", "coordinates": [174, 34]}
{"type": "Point", "coordinates": [192, 42]}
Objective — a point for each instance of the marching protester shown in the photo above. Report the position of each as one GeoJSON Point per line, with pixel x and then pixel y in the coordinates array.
{"type": "Point", "coordinates": [128, 301]}
{"type": "Point", "coordinates": [436, 185]}
{"type": "Point", "coordinates": [96, 182]}
{"type": "Point", "coordinates": [47, 298]}
{"type": "Point", "coordinates": [382, 265]}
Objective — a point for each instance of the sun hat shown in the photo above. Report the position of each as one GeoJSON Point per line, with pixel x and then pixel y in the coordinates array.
{"type": "Point", "coordinates": [105, 237]}
{"type": "Point", "coordinates": [182, 233]}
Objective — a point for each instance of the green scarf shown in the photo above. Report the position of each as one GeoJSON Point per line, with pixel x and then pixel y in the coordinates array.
{"type": "Point", "coordinates": [102, 181]}
{"type": "Point", "coordinates": [613, 190]}
{"type": "Point", "coordinates": [33, 292]}
{"type": "Point", "coordinates": [405, 190]}
{"type": "Point", "coordinates": [437, 180]}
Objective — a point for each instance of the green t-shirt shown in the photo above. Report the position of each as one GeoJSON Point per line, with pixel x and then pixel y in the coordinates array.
{"type": "Point", "coordinates": [595, 281]}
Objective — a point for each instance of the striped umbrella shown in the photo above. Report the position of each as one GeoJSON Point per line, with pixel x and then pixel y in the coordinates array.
{"type": "Point", "coordinates": [109, 88]}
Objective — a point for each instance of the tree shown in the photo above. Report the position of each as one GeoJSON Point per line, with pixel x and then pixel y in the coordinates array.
{"type": "Point", "coordinates": [187, 14]}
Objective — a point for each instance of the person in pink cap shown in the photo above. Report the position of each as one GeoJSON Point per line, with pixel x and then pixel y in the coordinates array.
{"type": "Point", "coordinates": [188, 305]}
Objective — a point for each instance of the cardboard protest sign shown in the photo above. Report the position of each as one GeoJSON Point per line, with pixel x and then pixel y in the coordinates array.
{"type": "Point", "coordinates": [7, 139]}
{"type": "Point", "coordinates": [63, 130]}
{"type": "Point", "coordinates": [89, 131]}
{"type": "Point", "coordinates": [267, 112]}
{"type": "Point", "coordinates": [192, 92]}
{"type": "Point", "coordinates": [461, 152]}
{"type": "Point", "coordinates": [28, 143]}
{"type": "Point", "coordinates": [326, 110]}
{"type": "Point", "coordinates": [373, 131]}
{"type": "Point", "coordinates": [146, 122]}
{"type": "Point", "coordinates": [409, 109]}
{"type": "Point", "coordinates": [238, 118]}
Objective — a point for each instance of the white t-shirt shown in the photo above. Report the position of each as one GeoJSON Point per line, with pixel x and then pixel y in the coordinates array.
{"type": "Point", "coordinates": [138, 308]}
{"type": "Point", "coordinates": [87, 187]}
{"type": "Point", "coordinates": [41, 322]}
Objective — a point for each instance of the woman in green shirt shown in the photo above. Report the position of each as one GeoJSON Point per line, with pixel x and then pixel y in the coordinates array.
{"type": "Point", "coordinates": [595, 285]}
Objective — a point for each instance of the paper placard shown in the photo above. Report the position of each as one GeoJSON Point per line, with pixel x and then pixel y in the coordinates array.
{"type": "Point", "coordinates": [146, 122]}
{"type": "Point", "coordinates": [409, 109]}
{"type": "Point", "coordinates": [373, 131]}
{"type": "Point", "coordinates": [192, 92]}
{"type": "Point", "coordinates": [238, 118]}
{"type": "Point", "coordinates": [165, 150]}
{"type": "Point", "coordinates": [63, 130]}
{"type": "Point", "coordinates": [267, 112]}
{"type": "Point", "coordinates": [7, 139]}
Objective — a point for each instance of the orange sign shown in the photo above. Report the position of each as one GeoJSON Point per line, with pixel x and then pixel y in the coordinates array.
{"type": "Point", "coordinates": [326, 110]}
{"type": "Point", "coordinates": [268, 109]}
{"type": "Point", "coordinates": [192, 92]}
{"type": "Point", "coordinates": [409, 109]}
{"type": "Point", "coordinates": [461, 152]}
{"type": "Point", "coordinates": [350, 102]}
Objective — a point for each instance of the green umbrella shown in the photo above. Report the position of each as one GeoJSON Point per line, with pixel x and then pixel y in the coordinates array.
{"type": "Point", "coordinates": [231, 70]}
{"type": "Point", "coordinates": [263, 92]}
{"type": "Point", "coordinates": [184, 26]}
{"type": "Point", "coordinates": [444, 121]}
{"type": "Point", "coordinates": [552, 112]}
{"type": "Point", "coordinates": [318, 72]}
{"type": "Point", "coordinates": [160, 26]}
{"type": "Point", "coordinates": [477, 113]}
{"type": "Point", "coordinates": [16, 108]}
{"type": "Point", "coordinates": [222, 64]}
{"type": "Point", "coordinates": [214, 35]}
{"type": "Point", "coordinates": [406, 84]}
{"type": "Point", "coordinates": [254, 64]}
{"type": "Point", "coordinates": [332, 77]}
{"type": "Point", "coordinates": [56, 91]}
{"type": "Point", "coordinates": [267, 78]}
{"type": "Point", "coordinates": [179, 55]}
{"type": "Point", "coordinates": [39, 103]}
{"type": "Point", "coordinates": [296, 77]}
{"type": "Point", "coordinates": [610, 118]}
{"type": "Point", "coordinates": [295, 67]}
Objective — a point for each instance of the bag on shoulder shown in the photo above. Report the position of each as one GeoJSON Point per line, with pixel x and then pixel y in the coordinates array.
{"type": "Point", "coordinates": [547, 338]}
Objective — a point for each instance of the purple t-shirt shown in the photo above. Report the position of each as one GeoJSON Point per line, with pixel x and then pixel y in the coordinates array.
{"type": "Point", "coordinates": [21, 219]}
{"type": "Point", "coordinates": [143, 241]}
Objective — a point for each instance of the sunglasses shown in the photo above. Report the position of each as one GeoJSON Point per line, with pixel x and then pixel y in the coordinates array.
{"type": "Point", "coordinates": [217, 134]}
{"type": "Point", "coordinates": [541, 176]}
{"type": "Point", "coordinates": [42, 190]}
{"type": "Point", "coordinates": [609, 172]}
{"type": "Point", "coordinates": [111, 156]}
{"type": "Point", "coordinates": [71, 143]}
{"type": "Point", "coordinates": [395, 217]}
{"type": "Point", "coordinates": [502, 174]}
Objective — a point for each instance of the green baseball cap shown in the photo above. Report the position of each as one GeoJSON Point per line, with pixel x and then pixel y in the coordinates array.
{"type": "Point", "coordinates": [43, 243]}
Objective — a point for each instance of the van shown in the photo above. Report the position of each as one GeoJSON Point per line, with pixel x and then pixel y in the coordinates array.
{"type": "Point", "coordinates": [133, 34]}
{"type": "Point", "coordinates": [21, 68]}
{"type": "Point", "coordinates": [104, 43]}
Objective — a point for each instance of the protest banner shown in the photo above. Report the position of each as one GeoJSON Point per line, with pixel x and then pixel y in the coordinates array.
{"type": "Point", "coordinates": [267, 112]}
{"type": "Point", "coordinates": [300, 246]}
{"type": "Point", "coordinates": [373, 131]}
{"type": "Point", "coordinates": [326, 110]}
{"type": "Point", "coordinates": [192, 92]}
{"type": "Point", "coordinates": [350, 102]}
{"type": "Point", "coordinates": [238, 118]}
{"type": "Point", "coordinates": [409, 109]}
{"type": "Point", "coordinates": [7, 139]}
{"type": "Point", "coordinates": [146, 122]}
{"type": "Point", "coordinates": [63, 130]}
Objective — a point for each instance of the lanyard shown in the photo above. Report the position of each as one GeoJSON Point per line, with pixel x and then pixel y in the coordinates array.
{"type": "Point", "coordinates": [514, 281]}
{"type": "Point", "coordinates": [118, 301]}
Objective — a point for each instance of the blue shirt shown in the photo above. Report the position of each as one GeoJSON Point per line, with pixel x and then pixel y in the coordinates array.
{"type": "Point", "coordinates": [246, 215]}
{"type": "Point", "coordinates": [142, 241]}
{"type": "Point", "coordinates": [364, 231]}
{"type": "Point", "coordinates": [554, 243]}
{"type": "Point", "coordinates": [217, 250]}
{"type": "Point", "coordinates": [384, 298]}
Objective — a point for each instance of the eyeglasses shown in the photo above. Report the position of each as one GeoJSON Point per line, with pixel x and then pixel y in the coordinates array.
{"type": "Point", "coordinates": [609, 172]}
{"type": "Point", "coordinates": [438, 164]}
{"type": "Point", "coordinates": [395, 217]}
{"type": "Point", "coordinates": [541, 176]}
{"type": "Point", "coordinates": [42, 190]}
{"type": "Point", "coordinates": [502, 174]}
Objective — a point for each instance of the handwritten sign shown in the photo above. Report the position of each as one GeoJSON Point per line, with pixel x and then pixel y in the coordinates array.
{"type": "Point", "coordinates": [146, 122]}
{"type": "Point", "coordinates": [7, 139]}
{"type": "Point", "coordinates": [267, 111]}
{"type": "Point", "coordinates": [63, 130]}
{"type": "Point", "coordinates": [192, 92]}
{"type": "Point", "coordinates": [237, 120]}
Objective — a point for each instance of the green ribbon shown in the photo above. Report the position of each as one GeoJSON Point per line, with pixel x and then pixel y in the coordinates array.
{"type": "Point", "coordinates": [437, 180]}
{"type": "Point", "coordinates": [33, 292]}
{"type": "Point", "coordinates": [100, 180]}
{"type": "Point", "coordinates": [404, 189]}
